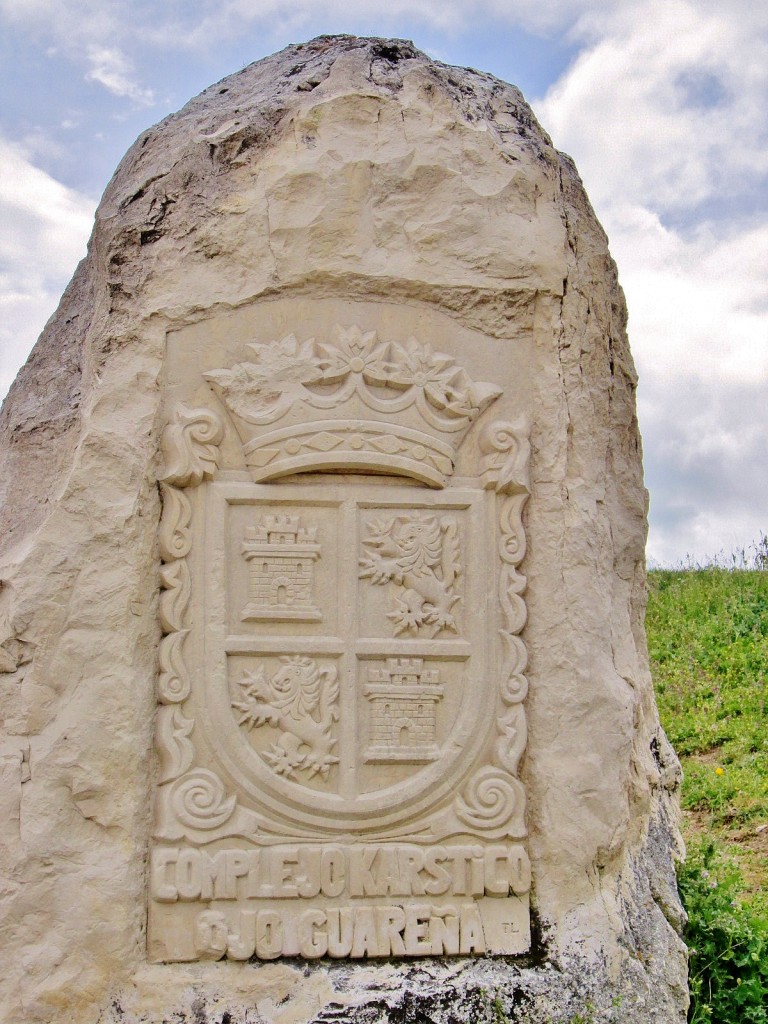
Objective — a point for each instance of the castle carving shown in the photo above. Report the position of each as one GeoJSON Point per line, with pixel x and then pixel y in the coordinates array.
{"type": "Point", "coordinates": [403, 699]}
{"type": "Point", "coordinates": [281, 555]}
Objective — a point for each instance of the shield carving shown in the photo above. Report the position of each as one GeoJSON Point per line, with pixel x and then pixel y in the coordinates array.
{"type": "Point", "coordinates": [350, 650]}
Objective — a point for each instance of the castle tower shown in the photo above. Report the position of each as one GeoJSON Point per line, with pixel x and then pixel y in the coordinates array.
{"type": "Point", "coordinates": [281, 556]}
{"type": "Point", "coordinates": [403, 710]}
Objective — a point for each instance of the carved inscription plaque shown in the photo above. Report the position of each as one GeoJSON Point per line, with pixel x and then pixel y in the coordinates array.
{"type": "Point", "coordinates": [341, 690]}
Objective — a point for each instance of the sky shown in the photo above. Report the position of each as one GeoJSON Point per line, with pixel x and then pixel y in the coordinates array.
{"type": "Point", "coordinates": [663, 104]}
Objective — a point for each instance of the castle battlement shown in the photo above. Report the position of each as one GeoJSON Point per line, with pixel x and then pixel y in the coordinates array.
{"type": "Point", "coordinates": [404, 672]}
{"type": "Point", "coordinates": [402, 718]}
{"type": "Point", "coordinates": [279, 530]}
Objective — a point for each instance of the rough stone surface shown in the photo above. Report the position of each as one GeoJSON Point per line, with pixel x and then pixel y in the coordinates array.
{"type": "Point", "coordinates": [360, 170]}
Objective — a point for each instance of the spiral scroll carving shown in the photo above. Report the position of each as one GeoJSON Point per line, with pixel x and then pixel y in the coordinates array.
{"type": "Point", "coordinates": [513, 607]}
{"type": "Point", "coordinates": [200, 801]}
{"type": "Point", "coordinates": [173, 683]}
{"type": "Point", "coordinates": [514, 687]}
{"type": "Point", "coordinates": [175, 535]}
{"type": "Point", "coordinates": [191, 446]}
{"type": "Point", "coordinates": [492, 800]}
{"type": "Point", "coordinates": [512, 538]}
{"type": "Point", "coordinates": [506, 452]}
{"type": "Point", "coordinates": [175, 541]}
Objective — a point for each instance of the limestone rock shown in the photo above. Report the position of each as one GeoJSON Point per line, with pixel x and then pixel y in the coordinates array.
{"type": "Point", "coordinates": [342, 178]}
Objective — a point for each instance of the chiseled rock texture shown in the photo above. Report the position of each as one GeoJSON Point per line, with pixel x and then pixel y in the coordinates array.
{"type": "Point", "coordinates": [354, 168]}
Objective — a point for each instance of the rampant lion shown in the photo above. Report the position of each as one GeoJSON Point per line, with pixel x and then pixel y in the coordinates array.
{"type": "Point", "coordinates": [420, 555]}
{"type": "Point", "coordinates": [300, 700]}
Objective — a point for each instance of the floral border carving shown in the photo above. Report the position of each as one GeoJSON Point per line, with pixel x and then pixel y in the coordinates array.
{"type": "Point", "coordinates": [188, 797]}
{"type": "Point", "coordinates": [494, 798]}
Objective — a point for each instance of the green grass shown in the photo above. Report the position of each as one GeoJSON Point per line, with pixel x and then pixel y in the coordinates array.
{"type": "Point", "coordinates": [708, 642]}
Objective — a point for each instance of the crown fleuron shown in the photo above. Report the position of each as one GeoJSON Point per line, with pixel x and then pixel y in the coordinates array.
{"type": "Point", "coordinates": [352, 404]}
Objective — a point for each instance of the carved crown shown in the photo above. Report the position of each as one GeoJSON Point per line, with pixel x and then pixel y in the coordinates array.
{"type": "Point", "coordinates": [351, 403]}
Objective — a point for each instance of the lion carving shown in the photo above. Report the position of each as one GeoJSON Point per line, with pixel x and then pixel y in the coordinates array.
{"type": "Point", "coordinates": [300, 700]}
{"type": "Point", "coordinates": [420, 556]}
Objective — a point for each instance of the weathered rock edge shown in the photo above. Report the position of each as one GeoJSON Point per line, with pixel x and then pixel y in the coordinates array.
{"type": "Point", "coordinates": [173, 243]}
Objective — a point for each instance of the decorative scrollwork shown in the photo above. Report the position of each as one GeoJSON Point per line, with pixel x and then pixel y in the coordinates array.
{"type": "Point", "coordinates": [174, 600]}
{"type": "Point", "coordinates": [492, 800]}
{"type": "Point", "coordinates": [512, 537]}
{"type": "Point", "coordinates": [175, 540]}
{"type": "Point", "coordinates": [173, 743]}
{"type": "Point", "coordinates": [175, 535]}
{"type": "Point", "coordinates": [514, 734]}
{"type": "Point", "coordinates": [191, 446]}
{"type": "Point", "coordinates": [200, 801]}
{"type": "Point", "coordinates": [173, 683]}
{"type": "Point", "coordinates": [513, 607]}
{"type": "Point", "coordinates": [195, 798]}
{"type": "Point", "coordinates": [506, 453]}
{"type": "Point", "coordinates": [514, 687]}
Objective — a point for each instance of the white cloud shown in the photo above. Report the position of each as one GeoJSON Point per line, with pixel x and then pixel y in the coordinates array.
{"type": "Point", "coordinates": [112, 69]}
{"type": "Point", "coordinates": [664, 113]}
{"type": "Point", "coordinates": [45, 230]}
{"type": "Point", "coordinates": [86, 32]}
{"type": "Point", "coordinates": [667, 107]}
{"type": "Point", "coordinates": [706, 466]}
{"type": "Point", "coordinates": [204, 22]}
{"type": "Point", "coordinates": [698, 303]}
{"type": "Point", "coordinates": [67, 22]}
{"type": "Point", "coordinates": [209, 21]}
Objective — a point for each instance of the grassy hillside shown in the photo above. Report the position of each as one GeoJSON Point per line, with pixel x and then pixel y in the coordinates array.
{"type": "Point", "coordinates": [708, 643]}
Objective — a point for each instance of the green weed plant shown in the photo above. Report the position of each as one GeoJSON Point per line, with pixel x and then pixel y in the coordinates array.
{"type": "Point", "coordinates": [708, 644]}
{"type": "Point", "coordinates": [727, 941]}
{"type": "Point", "coordinates": [707, 632]}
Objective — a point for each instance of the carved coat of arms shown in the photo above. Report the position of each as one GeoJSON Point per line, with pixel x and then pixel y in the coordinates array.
{"type": "Point", "coordinates": [342, 669]}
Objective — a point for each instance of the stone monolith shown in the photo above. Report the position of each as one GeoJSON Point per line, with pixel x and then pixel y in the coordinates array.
{"type": "Point", "coordinates": [325, 693]}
